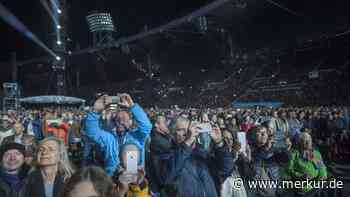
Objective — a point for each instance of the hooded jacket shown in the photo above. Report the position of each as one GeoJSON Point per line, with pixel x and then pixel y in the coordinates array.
{"type": "Point", "coordinates": [299, 166]}
{"type": "Point", "coordinates": [110, 142]}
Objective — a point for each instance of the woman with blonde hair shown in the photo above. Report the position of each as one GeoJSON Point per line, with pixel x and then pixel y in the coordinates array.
{"type": "Point", "coordinates": [52, 169]}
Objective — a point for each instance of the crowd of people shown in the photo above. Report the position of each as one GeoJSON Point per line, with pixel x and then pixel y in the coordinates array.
{"type": "Point", "coordinates": [120, 149]}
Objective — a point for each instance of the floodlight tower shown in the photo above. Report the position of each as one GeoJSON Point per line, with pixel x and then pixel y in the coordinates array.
{"type": "Point", "coordinates": [102, 28]}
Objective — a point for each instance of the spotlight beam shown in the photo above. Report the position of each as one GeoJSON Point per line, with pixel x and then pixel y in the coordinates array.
{"type": "Point", "coordinates": [55, 5]}
{"type": "Point", "coordinates": [12, 20]}
{"type": "Point", "coordinates": [283, 7]}
{"type": "Point", "coordinates": [47, 8]}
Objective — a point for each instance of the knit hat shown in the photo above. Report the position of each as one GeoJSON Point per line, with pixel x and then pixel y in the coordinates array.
{"type": "Point", "coordinates": [11, 146]}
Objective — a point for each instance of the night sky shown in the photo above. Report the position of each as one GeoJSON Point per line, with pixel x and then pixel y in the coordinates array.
{"type": "Point", "coordinates": [259, 25]}
{"type": "Point", "coordinates": [129, 18]}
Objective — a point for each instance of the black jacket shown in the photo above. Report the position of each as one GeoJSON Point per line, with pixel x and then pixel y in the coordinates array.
{"type": "Point", "coordinates": [195, 172]}
{"type": "Point", "coordinates": [7, 191]}
{"type": "Point", "coordinates": [160, 144]}
{"type": "Point", "coordinates": [35, 185]}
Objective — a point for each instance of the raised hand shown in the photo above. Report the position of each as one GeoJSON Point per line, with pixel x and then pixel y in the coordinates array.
{"type": "Point", "coordinates": [127, 178]}
{"type": "Point", "coordinates": [126, 100]}
{"type": "Point", "coordinates": [236, 147]}
{"type": "Point", "coordinates": [193, 133]}
{"type": "Point", "coordinates": [216, 135]}
{"type": "Point", "coordinates": [248, 153]}
{"type": "Point", "coordinates": [99, 104]}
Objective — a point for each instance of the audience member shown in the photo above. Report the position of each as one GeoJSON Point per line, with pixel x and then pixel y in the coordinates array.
{"type": "Point", "coordinates": [52, 169]}
{"type": "Point", "coordinates": [13, 171]}
{"type": "Point", "coordinates": [110, 142]}
{"type": "Point", "coordinates": [88, 182]}
{"type": "Point", "coordinates": [187, 167]}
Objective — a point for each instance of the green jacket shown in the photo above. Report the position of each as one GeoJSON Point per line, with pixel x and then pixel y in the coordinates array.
{"type": "Point", "coordinates": [298, 167]}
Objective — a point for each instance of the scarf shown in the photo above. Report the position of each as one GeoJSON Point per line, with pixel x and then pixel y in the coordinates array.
{"type": "Point", "coordinates": [13, 181]}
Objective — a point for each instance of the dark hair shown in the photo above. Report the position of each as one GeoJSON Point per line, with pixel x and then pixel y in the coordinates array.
{"type": "Point", "coordinates": [253, 131]}
{"type": "Point", "coordinates": [96, 97]}
{"type": "Point", "coordinates": [102, 184]}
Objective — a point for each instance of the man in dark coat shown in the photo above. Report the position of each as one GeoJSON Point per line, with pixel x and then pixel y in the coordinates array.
{"type": "Point", "coordinates": [161, 142]}
{"type": "Point", "coordinates": [192, 171]}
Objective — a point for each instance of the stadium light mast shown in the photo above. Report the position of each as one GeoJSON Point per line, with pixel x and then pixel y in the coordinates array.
{"type": "Point", "coordinates": [102, 28]}
{"type": "Point", "coordinates": [57, 82]}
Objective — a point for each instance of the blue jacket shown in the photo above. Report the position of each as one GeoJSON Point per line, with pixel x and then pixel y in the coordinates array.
{"type": "Point", "coordinates": [111, 143]}
{"type": "Point", "coordinates": [37, 128]}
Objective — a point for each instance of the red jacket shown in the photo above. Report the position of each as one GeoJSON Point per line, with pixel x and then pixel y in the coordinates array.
{"type": "Point", "coordinates": [60, 132]}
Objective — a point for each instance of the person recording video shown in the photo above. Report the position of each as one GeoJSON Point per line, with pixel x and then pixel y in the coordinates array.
{"type": "Point", "coordinates": [189, 163]}
{"type": "Point", "coordinates": [131, 176]}
{"type": "Point", "coordinates": [110, 142]}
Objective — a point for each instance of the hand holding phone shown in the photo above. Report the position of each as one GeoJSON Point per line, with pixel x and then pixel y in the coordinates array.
{"type": "Point", "coordinates": [132, 162]}
{"type": "Point", "coordinates": [126, 178]}
{"type": "Point", "coordinates": [242, 139]}
{"type": "Point", "coordinates": [216, 134]}
{"type": "Point", "coordinates": [125, 100]}
{"type": "Point", "coordinates": [204, 128]}
{"type": "Point", "coordinates": [192, 133]}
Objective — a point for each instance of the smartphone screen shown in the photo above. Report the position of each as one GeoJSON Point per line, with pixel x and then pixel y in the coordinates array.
{"type": "Point", "coordinates": [131, 162]}
{"type": "Point", "coordinates": [204, 128]}
{"type": "Point", "coordinates": [242, 139]}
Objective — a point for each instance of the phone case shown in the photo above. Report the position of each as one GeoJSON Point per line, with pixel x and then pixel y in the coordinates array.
{"type": "Point", "coordinates": [131, 162]}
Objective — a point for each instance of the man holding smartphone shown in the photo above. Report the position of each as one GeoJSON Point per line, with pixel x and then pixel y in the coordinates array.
{"type": "Point", "coordinates": [111, 142]}
{"type": "Point", "coordinates": [187, 163]}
